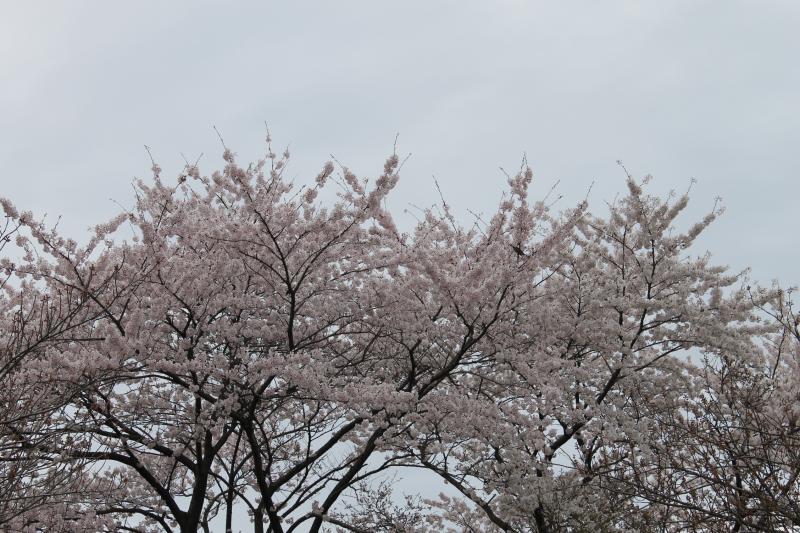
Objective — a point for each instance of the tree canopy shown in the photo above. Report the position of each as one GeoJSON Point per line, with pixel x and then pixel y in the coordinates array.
{"type": "Point", "coordinates": [235, 347]}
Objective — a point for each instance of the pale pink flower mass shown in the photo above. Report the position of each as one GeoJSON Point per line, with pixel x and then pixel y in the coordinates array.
{"type": "Point", "coordinates": [252, 351]}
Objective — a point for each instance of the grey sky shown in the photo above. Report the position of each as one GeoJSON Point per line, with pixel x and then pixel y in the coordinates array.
{"type": "Point", "coordinates": [675, 89]}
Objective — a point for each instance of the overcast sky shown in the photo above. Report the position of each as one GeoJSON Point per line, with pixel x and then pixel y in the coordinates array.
{"type": "Point", "coordinates": [709, 90]}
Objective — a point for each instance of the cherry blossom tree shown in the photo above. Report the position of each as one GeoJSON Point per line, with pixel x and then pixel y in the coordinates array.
{"type": "Point", "coordinates": [727, 457]}
{"type": "Point", "coordinates": [555, 403]}
{"type": "Point", "coordinates": [38, 321]}
{"type": "Point", "coordinates": [235, 347]}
